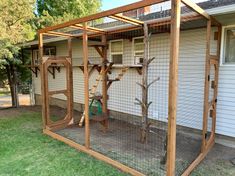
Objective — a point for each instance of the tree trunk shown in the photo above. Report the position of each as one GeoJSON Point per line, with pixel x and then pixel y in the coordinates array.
{"type": "Point", "coordinates": [145, 123]}
{"type": "Point", "coordinates": [12, 79]}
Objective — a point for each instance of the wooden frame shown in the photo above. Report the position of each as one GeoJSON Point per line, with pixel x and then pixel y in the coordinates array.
{"type": "Point", "coordinates": [67, 92]}
{"type": "Point", "coordinates": [173, 88]}
{"type": "Point", "coordinates": [174, 20]}
{"type": "Point", "coordinates": [86, 86]}
{"type": "Point", "coordinates": [107, 13]}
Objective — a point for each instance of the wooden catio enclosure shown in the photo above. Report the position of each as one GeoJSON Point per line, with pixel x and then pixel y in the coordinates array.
{"type": "Point", "coordinates": [143, 112]}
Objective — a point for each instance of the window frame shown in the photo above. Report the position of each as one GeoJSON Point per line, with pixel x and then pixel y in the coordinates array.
{"type": "Point", "coordinates": [113, 53]}
{"type": "Point", "coordinates": [223, 45]}
{"type": "Point", "coordinates": [133, 49]}
{"type": "Point", "coordinates": [36, 53]}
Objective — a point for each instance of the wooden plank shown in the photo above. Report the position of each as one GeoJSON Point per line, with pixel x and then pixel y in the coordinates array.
{"type": "Point", "coordinates": [99, 51]}
{"type": "Point", "coordinates": [173, 86]}
{"type": "Point", "coordinates": [127, 19]}
{"type": "Point", "coordinates": [89, 28]}
{"type": "Point", "coordinates": [86, 86]}
{"type": "Point", "coordinates": [107, 13]}
{"type": "Point", "coordinates": [46, 90]}
{"type": "Point", "coordinates": [59, 34]}
{"type": "Point", "coordinates": [206, 87]}
{"type": "Point", "coordinates": [96, 155]}
{"type": "Point", "coordinates": [198, 160]}
{"type": "Point", "coordinates": [58, 92]}
{"type": "Point", "coordinates": [216, 82]}
{"type": "Point", "coordinates": [196, 8]}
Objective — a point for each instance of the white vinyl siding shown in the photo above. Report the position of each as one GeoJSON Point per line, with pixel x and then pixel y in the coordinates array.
{"type": "Point", "coordinates": [122, 94]}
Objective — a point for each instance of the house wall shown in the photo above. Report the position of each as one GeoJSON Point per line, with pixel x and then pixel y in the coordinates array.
{"type": "Point", "coordinates": [191, 81]}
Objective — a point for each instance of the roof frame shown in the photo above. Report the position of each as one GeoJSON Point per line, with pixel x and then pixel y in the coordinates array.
{"type": "Point", "coordinates": [53, 33]}
{"type": "Point", "coordinates": [196, 8]}
{"type": "Point", "coordinates": [89, 28]}
{"type": "Point", "coordinates": [116, 14]}
{"type": "Point", "coordinates": [106, 13]}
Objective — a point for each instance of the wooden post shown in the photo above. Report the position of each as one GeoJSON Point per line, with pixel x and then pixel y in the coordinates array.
{"type": "Point", "coordinates": [44, 106]}
{"type": "Point", "coordinates": [216, 81]}
{"type": "Point", "coordinates": [70, 86]}
{"type": "Point", "coordinates": [206, 87]}
{"type": "Point", "coordinates": [173, 85]}
{"type": "Point", "coordinates": [104, 79]}
{"type": "Point", "coordinates": [86, 86]}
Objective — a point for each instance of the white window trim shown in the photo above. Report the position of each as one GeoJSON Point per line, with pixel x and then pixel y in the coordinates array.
{"type": "Point", "coordinates": [111, 53]}
{"type": "Point", "coordinates": [222, 52]}
{"type": "Point", "coordinates": [133, 48]}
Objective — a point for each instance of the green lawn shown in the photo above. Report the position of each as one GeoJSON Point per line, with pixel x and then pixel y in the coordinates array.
{"type": "Point", "coordinates": [24, 150]}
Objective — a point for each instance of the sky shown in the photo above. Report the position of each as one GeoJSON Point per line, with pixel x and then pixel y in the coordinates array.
{"type": "Point", "coordinates": [109, 4]}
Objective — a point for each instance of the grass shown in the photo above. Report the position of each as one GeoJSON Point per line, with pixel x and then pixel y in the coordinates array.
{"type": "Point", "coordinates": [24, 150]}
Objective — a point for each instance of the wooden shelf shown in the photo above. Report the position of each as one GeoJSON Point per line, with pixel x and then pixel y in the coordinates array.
{"type": "Point", "coordinates": [97, 45]}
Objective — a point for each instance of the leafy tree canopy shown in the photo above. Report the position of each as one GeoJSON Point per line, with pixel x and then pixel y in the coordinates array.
{"type": "Point", "coordinates": [54, 12]}
{"type": "Point", "coordinates": [15, 27]}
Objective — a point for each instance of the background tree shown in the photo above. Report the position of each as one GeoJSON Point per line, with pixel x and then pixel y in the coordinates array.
{"type": "Point", "coordinates": [19, 21]}
{"type": "Point", "coordinates": [51, 12]}
{"type": "Point", "coordinates": [14, 29]}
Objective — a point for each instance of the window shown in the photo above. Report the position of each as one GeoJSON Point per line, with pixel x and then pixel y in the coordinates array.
{"type": "Point", "coordinates": [116, 51]}
{"type": "Point", "coordinates": [47, 51]}
{"type": "Point", "coordinates": [138, 50]}
{"type": "Point", "coordinates": [50, 51]}
{"type": "Point", "coordinates": [229, 46]}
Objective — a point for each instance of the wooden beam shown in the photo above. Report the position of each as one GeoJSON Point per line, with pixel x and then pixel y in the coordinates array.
{"type": "Point", "coordinates": [86, 86]}
{"type": "Point", "coordinates": [198, 160]}
{"type": "Point", "coordinates": [196, 8]}
{"type": "Point", "coordinates": [107, 13]}
{"type": "Point", "coordinates": [206, 87]}
{"type": "Point", "coordinates": [57, 92]}
{"type": "Point", "coordinates": [173, 86]}
{"type": "Point", "coordinates": [127, 19]}
{"type": "Point", "coordinates": [91, 29]}
{"type": "Point", "coordinates": [96, 155]}
{"type": "Point", "coordinates": [99, 51]}
{"type": "Point", "coordinates": [59, 34]}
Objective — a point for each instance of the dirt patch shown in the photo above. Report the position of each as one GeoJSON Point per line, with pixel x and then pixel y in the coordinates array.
{"type": "Point", "coordinates": [122, 143]}
{"type": "Point", "coordinates": [54, 111]}
{"type": "Point", "coordinates": [12, 112]}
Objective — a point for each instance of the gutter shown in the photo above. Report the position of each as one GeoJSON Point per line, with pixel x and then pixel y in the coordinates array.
{"type": "Point", "coordinates": [222, 10]}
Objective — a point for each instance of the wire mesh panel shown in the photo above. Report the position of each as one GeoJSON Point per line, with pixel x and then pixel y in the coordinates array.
{"type": "Point", "coordinates": [132, 138]}
{"type": "Point", "coordinates": [191, 86]}
{"type": "Point", "coordinates": [122, 73]}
